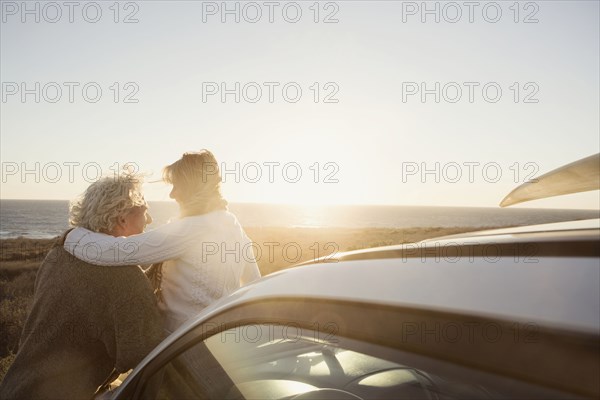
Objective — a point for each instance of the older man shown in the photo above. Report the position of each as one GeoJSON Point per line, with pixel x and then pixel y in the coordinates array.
{"type": "Point", "coordinates": [87, 323]}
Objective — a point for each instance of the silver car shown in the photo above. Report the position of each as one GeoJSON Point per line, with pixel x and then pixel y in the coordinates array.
{"type": "Point", "coordinates": [509, 313]}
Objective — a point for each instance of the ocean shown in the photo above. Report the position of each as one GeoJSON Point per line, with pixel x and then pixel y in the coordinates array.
{"type": "Point", "coordinates": [49, 218]}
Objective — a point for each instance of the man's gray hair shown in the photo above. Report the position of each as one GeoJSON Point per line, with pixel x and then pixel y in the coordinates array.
{"type": "Point", "coordinates": [105, 200]}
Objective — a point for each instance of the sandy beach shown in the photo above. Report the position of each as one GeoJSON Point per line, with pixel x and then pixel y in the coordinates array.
{"type": "Point", "coordinates": [275, 249]}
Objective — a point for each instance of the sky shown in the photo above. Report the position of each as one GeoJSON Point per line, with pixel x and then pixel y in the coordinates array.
{"type": "Point", "coordinates": [345, 102]}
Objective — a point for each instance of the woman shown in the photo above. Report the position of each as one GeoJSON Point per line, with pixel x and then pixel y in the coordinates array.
{"type": "Point", "coordinates": [209, 255]}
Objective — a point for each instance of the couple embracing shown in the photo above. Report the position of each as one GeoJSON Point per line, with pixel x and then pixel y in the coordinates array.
{"type": "Point", "coordinates": [95, 312]}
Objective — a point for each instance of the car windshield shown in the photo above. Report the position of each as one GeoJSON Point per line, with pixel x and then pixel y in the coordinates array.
{"type": "Point", "coordinates": [282, 362]}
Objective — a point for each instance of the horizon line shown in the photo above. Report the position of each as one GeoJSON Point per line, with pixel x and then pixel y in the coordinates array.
{"type": "Point", "coordinates": [351, 204]}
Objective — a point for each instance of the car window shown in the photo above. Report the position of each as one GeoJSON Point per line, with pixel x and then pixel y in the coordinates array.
{"type": "Point", "coordinates": [266, 361]}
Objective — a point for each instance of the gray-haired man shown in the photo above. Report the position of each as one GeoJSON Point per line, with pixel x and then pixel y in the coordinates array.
{"type": "Point", "coordinates": [87, 322]}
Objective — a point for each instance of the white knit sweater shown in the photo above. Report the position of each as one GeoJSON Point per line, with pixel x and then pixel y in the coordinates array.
{"type": "Point", "coordinates": [209, 256]}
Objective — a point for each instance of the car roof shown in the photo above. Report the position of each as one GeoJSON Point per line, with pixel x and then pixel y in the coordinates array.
{"type": "Point", "coordinates": [560, 293]}
{"type": "Point", "coordinates": [555, 290]}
